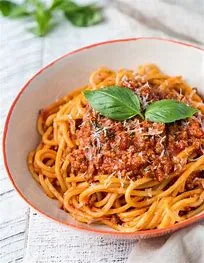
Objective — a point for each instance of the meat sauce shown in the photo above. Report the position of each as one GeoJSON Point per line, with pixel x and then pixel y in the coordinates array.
{"type": "Point", "coordinates": [135, 148]}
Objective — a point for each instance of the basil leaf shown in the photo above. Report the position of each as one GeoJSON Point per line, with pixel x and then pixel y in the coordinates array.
{"type": "Point", "coordinates": [13, 10]}
{"type": "Point", "coordinates": [56, 4]}
{"type": "Point", "coordinates": [20, 11]}
{"type": "Point", "coordinates": [114, 102]}
{"type": "Point", "coordinates": [83, 16]}
{"type": "Point", "coordinates": [167, 111]}
{"type": "Point", "coordinates": [6, 7]}
{"type": "Point", "coordinates": [43, 18]}
{"type": "Point", "coordinates": [78, 15]}
{"type": "Point", "coordinates": [64, 5]}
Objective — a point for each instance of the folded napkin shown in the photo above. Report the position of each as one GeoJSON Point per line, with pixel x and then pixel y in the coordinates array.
{"type": "Point", "coordinates": [176, 19]}
{"type": "Point", "coordinates": [184, 246]}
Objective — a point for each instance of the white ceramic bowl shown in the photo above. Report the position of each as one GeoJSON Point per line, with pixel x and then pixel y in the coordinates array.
{"type": "Point", "coordinates": [63, 75]}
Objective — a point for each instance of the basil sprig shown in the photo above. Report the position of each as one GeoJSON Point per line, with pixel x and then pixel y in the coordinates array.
{"type": "Point", "coordinates": [167, 111]}
{"type": "Point", "coordinates": [84, 16]}
{"type": "Point", "coordinates": [119, 103]}
{"type": "Point", "coordinates": [114, 102]}
{"type": "Point", "coordinates": [45, 13]}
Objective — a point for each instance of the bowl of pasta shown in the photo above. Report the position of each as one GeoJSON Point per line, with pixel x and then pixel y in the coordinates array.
{"type": "Point", "coordinates": [110, 138]}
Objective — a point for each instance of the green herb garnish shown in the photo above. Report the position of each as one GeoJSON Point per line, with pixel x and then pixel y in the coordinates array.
{"type": "Point", "coordinates": [119, 103]}
{"type": "Point", "coordinates": [13, 10]}
{"type": "Point", "coordinates": [114, 102]}
{"type": "Point", "coordinates": [84, 16]}
{"type": "Point", "coordinates": [167, 111]}
{"type": "Point", "coordinates": [44, 16]}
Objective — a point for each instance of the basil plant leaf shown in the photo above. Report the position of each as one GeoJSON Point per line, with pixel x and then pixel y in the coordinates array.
{"type": "Point", "coordinates": [6, 7]}
{"type": "Point", "coordinates": [43, 18]}
{"type": "Point", "coordinates": [56, 4]}
{"type": "Point", "coordinates": [20, 11]}
{"type": "Point", "coordinates": [114, 102]}
{"type": "Point", "coordinates": [13, 10]}
{"type": "Point", "coordinates": [44, 13]}
{"type": "Point", "coordinates": [167, 111]}
{"type": "Point", "coordinates": [83, 16]}
{"type": "Point", "coordinates": [64, 5]}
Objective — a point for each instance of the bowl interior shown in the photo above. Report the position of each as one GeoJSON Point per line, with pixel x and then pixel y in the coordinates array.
{"type": "Point", "coordinates": [70, 72]}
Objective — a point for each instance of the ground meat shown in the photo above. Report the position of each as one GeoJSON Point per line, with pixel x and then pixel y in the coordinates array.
{"type": "Point", "coordinates": [195, 180]}
{"type": "Point", "coordinates": [135, 147]}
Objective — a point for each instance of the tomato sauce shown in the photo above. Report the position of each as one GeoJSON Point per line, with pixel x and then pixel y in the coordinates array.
{"type": "Point", "coordinates": [135, 148]}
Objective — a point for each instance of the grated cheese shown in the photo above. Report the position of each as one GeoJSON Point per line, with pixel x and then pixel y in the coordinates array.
{"type": "Point", "coordinates": [162, 153]}
{"type": "Point", "coordinates": [162, 140]}
{"type": "Point", "coordinates": [108, 179]}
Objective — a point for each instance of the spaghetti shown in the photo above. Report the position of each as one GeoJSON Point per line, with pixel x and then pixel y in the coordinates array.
{"type": "Point", "coordinates": [130, 175]}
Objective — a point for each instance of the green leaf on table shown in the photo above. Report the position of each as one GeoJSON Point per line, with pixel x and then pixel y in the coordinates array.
{"type": "Point", "coordinates": [43, 18]}
{"type": "Point", "coordinates": [167, 111]}
{"type": "Point", "coordinates": [20, 11]}
{"type": "Point", "coordinates": [6, 7]}
{"type": "Point", "coordinates": [78, 15]}
{"type": "Point", "coordinates": [58, 4]}
{"type": "Point", "coordinates": [64, 5]}
{"type": "Point", "coordinates": [13, 10]}
{"type": "Point", "coordinates": [82, 16]}
{"type": "Point", "coordinates": [114, 102]}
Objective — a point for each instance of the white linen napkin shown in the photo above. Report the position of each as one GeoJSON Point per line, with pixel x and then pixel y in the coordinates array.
{"type": "Point", "coordinates": [179, 19]}
{"type": "Point", "coordinates": [184, 246]}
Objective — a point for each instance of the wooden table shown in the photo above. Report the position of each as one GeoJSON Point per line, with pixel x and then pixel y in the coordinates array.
{"type": "Point", "coordinates": [26, 236]}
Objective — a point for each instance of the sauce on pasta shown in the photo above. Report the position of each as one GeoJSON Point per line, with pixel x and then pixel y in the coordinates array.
{"type": "Point", "coordinates": [130, 175]}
